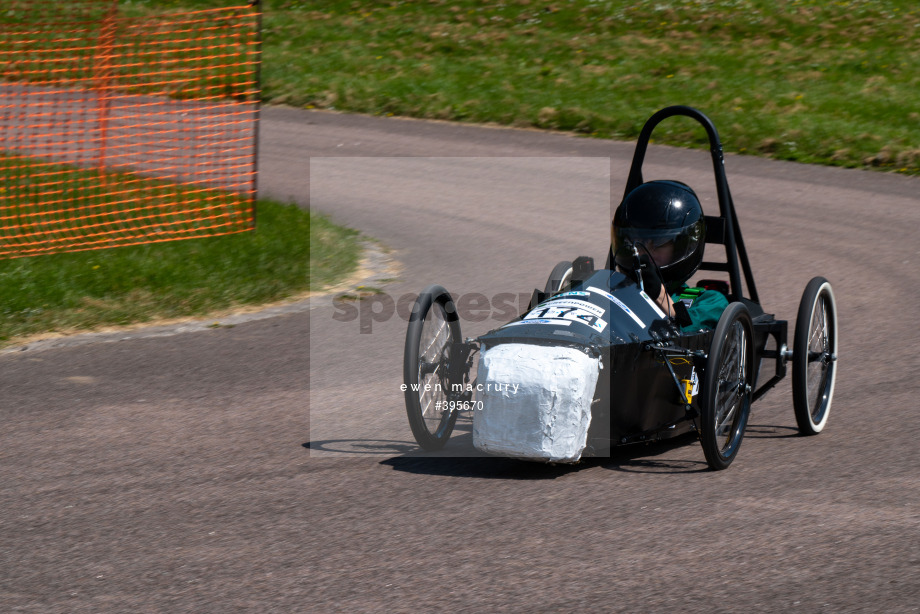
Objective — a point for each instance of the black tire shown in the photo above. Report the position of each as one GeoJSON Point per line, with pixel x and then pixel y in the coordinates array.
{"type": "Point", "coordinates": [559, 279]}
{"type": "Point", "coordinates": [433, 326]}
{"type": "Point", "coordinates": [814, 356]}
{"type": "Point", "coordinates": [727, 387]}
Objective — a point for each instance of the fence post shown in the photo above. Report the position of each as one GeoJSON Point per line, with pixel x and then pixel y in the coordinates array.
{"type": "Point", "coordinates": [105, 49]}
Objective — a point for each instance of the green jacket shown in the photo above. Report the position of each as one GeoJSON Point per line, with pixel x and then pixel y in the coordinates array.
{"type": "Point", "coordinates": [704, 306]}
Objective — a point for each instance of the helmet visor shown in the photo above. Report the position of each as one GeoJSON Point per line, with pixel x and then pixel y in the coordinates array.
{"type": "Point", "coordinates": [666, 246]}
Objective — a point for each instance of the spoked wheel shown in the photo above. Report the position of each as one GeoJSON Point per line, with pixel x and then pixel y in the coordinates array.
{"type": "Point", "coordinates": [560, 278]}
{"type": "Point", "coordinates": [727, 387]}
{"type": "Point", "coordinates": [433, 327]}
{"type": "Point", "coordinates": [814, 356]}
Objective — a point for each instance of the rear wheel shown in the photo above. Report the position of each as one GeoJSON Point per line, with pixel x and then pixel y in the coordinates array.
{"type": "Point", "coordinates": [560, 278]}
{"type": "Point", "coordinates": [433, 327]}
{"type": "Point", "coordinates": [814, 356]}
{"type": "Point", "coordinates": [727, 386]}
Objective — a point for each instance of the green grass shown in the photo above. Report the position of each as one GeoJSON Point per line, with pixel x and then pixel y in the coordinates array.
{"type": "Point", "coordinates": [49, 206]}
{"type": "Point", "coordinates": [127, 285]}
{"type": "Point", "coordinates": [138, 49]}
{"type": "Point", "coordinates": [826, 82]}
{"type": "Point", "coordinates": [831, 82]}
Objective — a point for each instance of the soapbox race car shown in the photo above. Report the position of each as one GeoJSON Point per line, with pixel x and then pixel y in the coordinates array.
{"type": "Point", "coordinates": [595, 363]}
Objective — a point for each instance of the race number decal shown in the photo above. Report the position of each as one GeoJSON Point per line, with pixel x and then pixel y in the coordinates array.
{"type": "Point", "coordinates": [570, 310]}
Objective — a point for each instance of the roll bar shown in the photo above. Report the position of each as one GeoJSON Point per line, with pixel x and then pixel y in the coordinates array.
{"type": "Point", "coordinates": [723, 228]}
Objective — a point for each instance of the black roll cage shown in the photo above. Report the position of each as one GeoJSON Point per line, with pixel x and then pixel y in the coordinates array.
{"type": "Point", "coordinates": [720, 229]}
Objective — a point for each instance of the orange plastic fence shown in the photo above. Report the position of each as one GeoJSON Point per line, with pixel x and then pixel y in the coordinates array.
{"type": "Point", "coordinates": [118, 130]}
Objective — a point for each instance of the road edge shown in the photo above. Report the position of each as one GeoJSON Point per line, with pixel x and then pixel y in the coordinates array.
{"type": "Point", "coordinates": [377, 267]}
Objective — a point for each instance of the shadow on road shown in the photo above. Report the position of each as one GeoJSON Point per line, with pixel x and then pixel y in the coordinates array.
{"type": "Point", "coordinates": [487, 467]}
{"type": "Point", "coordinates": [362, 446]}
{"type": "Point", "coordinates": [770, 431]}
{"type": "Point", "coordinates": [460, 459]}
{"type": "Point", "coordinates": [640, 457]}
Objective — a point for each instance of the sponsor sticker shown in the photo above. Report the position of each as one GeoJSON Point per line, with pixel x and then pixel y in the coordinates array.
{"type": "Point", "coordinates": [691, 386]}
{"type": "Point", "coordinates": [539, 321]}
{"type": "Point", "coordinates": [571, 293]}
{"type": "Point", "coordinates": [619, 304]}
{"type": "Point", "coordinates": [652, 303]}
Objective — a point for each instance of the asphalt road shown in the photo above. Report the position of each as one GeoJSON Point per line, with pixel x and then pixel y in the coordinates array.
{"type": "Point", "coordinates": [267, 466]}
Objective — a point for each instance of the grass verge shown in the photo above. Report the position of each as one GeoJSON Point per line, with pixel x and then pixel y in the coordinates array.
{"type": "Point", "coordinates": [805, 80]}
{"type": "Point", "coordinates": [73, 292]}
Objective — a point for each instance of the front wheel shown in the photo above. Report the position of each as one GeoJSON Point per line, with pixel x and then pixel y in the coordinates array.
{"type": "Point", "coordinates": [814, 356]}
{"type": "Point", "coordinates": [727, 386]}
{"type": "Point", "coordinates": [433, 328]}
{"type": "Point", "coordinates": [559, 279]}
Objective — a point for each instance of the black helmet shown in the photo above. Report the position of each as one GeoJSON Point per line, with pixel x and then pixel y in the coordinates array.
{"type": "Point", "coordinates": [655, 214]}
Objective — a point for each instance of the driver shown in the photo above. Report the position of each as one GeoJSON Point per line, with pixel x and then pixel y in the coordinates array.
{"type": "Point", "coordinates": [664, 221]}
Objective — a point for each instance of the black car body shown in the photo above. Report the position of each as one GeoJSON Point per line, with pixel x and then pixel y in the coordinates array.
{"type": "Point", "coordinates": [653, 380]}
